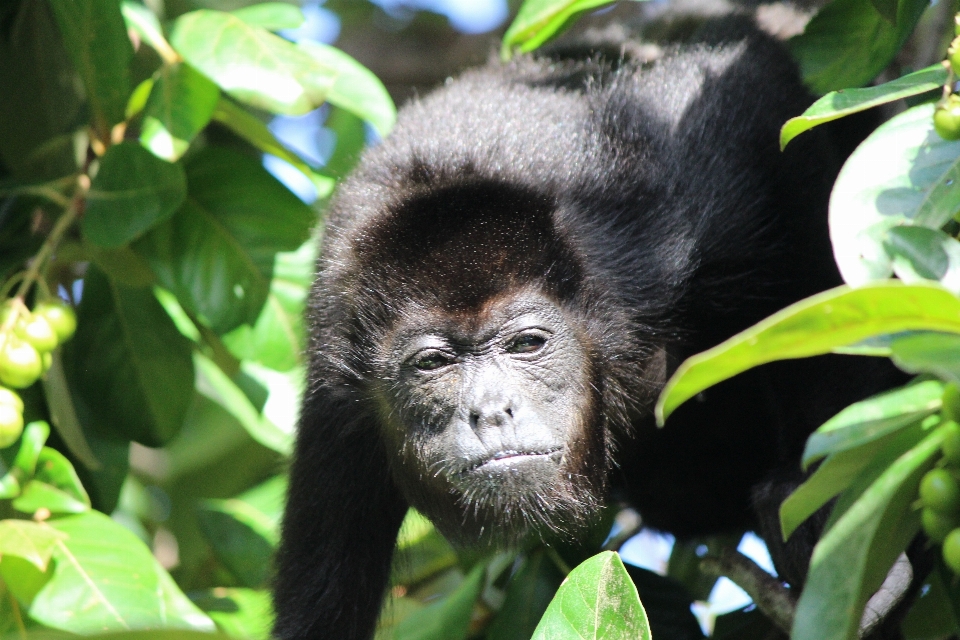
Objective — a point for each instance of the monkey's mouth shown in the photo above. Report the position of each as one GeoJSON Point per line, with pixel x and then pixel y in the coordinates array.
{"type": "Point", "coordinates": [511, 458]}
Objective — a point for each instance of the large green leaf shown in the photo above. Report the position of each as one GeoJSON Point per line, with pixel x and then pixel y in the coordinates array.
{"type": "Point", "coordinates": [903, 173]}
{"type": "Point", "coordinates": [848, 42]}
{"type": "Point", "coordinates": [106, 579]}
{"type": "Point", "coordinates": [421, 551]}
{"type": "Point", "coordinates": [129, 366]}
{"type": "Point", "coordinates": [32, 541]}
{"type": "Point", "coordinates": [96, 40]}
{"type": "Point", "coordinates": [217, 253]}
{"type": "Point", "coordinates": [837, 104]}
{"type": "Point", "coordinates": [145, 23]}
{"type": "Point", "coordinates": [919, 253]}
{"type": "Point", "coordinates": [243, 539]}
{"type": "Point", "coordinates": [181, 104]}
{"type": "Point", "coordinates": [597, 600]}
{"type": "Point", "coordinates": [355, 88]}
{"type": "Point", "coordinates": [539, 20]}
{"type": "Point", "coordinates": [250, 63]}
{"type": "Point", "coordinates": [448, 619]}
{"type": "Point", "coordinates": [133, 191]}
{"type": "Point", "coordinates": [853, 557]}
{"type": "Point", "coordinates": [527, 596]}
{"type": "Point", "coordinates": [874, 418]}
{"type": "Point", "coordinates": [272, 16]}
{"type": "Point", "coordinates": [241, 613]}
{"type": "Point", "coordinates": [817, 325]}
{"type": "Point", "coordinates": [928, 352]}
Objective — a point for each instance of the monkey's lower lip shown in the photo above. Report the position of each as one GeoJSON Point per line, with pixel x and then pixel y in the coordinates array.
{"type": "Point", "coordinates": [505, 458]}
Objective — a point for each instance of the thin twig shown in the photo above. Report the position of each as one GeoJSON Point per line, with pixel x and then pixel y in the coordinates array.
{"type": "Point", "coordinates": [769, 594]}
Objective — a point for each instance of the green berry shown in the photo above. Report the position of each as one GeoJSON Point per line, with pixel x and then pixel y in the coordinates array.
{"type": "Point", "coordinates": [939, 491]}
{"type": "Point", "coordinates": [60, 316]}
{"type": "Point", "coordinates": [946, 118]}
{"type": "Point", "coordinates": [20, 363]}
{"type": "Point", "coordinates": [937, 525]}
{"type": "Point", "coordinates": [37, 331]}
{"type": "Point", "coordinates": [11, 398]}
{"type": "Point", "coordinates": [951, 551]}
{"type": "Point", "coordinates": [11, 425]}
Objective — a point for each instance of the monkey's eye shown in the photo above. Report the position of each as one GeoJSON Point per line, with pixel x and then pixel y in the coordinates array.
{"type": "Point", "coordinates": [526, 343]}
{"type": "Point", "coordinates": [431, 360]}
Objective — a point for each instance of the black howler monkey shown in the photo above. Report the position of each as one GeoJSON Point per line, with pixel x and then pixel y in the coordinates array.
{"type": "Point", "coordinates": [507, 281]}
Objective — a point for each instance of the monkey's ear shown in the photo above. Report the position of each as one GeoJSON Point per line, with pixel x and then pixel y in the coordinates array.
{"type": "Point", "coordinates": [340, 526]}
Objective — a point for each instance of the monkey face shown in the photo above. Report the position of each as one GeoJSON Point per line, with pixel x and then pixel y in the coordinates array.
{"type": "Point", "coordinates": [496, 408]}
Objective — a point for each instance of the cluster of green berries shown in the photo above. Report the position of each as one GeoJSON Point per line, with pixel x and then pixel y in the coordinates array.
{"type": "Point", "coordinates": [26, 343]}
{"type": "Point", "coordinates": [946, 117]}
{"type": "Point", "coordinates": [940, 489]}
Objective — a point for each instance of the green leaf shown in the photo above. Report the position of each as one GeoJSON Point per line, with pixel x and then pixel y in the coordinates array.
{"type": "Point", "coordinates": [928, 352]}
{"type": "Point", "coordinates": [816, 325]}
{"type": "Point", "coordinates": [217, 253]}
{"type": "Point", "coordinates": [539, 20]}
{"type": "Point", "coordinates": [63, 415]}
{"type": "Point", "coordinates": [31, 443]}
{"type": "Point", "coordinates": [421, 551]}
{"type": "Point", "coordinates": [526, 598]}
{"type": "Point", "coordinates": [448, 619]}
{"type": "Point", "coordinates": [142, 20]}
{"type": "Point", "coordinates": [56, 471]}
{"type": "Point", "coordinates": [272, 16]}
{"type": "Point", "coordinates": [838, 472]}
{"type": "Point", "coordinates": [106, 579]}
{"type": "Point", "coordinates": [259, 135]}
{"type": "Point", "coordinates": [250, 63]}
{"type": "Point", "coordinates": [32, 541]}
{"type": "Point", "coordinates": [874, 418]}
{"type": "Point", "coordinates": [917, 183]}
{"type": "Point", "coordinates": [132, 192]}
{"type": "Point", "coordinates": [38, 495]}
{"type": "Point", "coordinates": [597, 600]}
{"type": "Point", "coordinates": [242, 538]}
{"type": "Point", "coordinates": [128, 365]}
{"type": "Point", "coordinates": [848, 42]}
{"type": "Point", "coordinates": [351, 139]}
{"type": "Point", "coordinates": [921, 254]}
{"type": "Point", "coordinates": [887, 9]}
{"type": "Point", "coordinates": [277, 339]}
{"type": "Point", "coordinates": [853, 557]}
{"type": "Point", "coordinates": [355, 88]}
{"type": "Point", "coordinates": [214, 384]}
{"type": "Point", "coordinates": [96, 40]}
{"type": "Point", "coordinates": [844, 102]}
{"type": "Point", "coordinates": [241, 613]}
{"type": "Point", "coordinates": [180, 106]}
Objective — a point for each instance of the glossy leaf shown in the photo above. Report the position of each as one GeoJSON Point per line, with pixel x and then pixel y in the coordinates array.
{"type": "Point", "coordinates": [242, 538]}
{"type": "Point", "coordinates": [527, 596]}
{"type": "Point", "coordinates": [38, 495]}
{"type": "Point", "coordinates": [928, 352]}
{"type": "Point", "coordinates": [129, 366]}
{"type": "Point", "coordinates": [251, 129]}
{"type": "Point", "coordinates": [96, 39]}
{"type": "Point", "coordinates": [241, 613]}
{"type": "Point", "coordinates": [217, 253]}
{"type": "Point", "coordinates": [873, 418]}
{"type": "Point", "coordinates": [142, 20]}
{"type": "Point", "coordinates": [851, 559]}
{"type": "Point", "coordinates": [64, 415]}
{"type": "Point", "coordinates": [32, 541]}
{"type": "Point", "coordinates": [106, 579]}
{"type": "Point", "coordinates": [448, 619]}
{"type": "Point", "coordinates": [848, 42]}
{"type": "Point", "coordinates": [133, 191]}
{"type": "Point", "coordinates": [31, 443]}
{"type": "Point", "coordinates": [844, 102]}
{"type": "Point", "coordinates": [597, 600]}
{"type": "Point", "coordinates": [817, 325]}
{"type": "Point", "coordinates": [272, 16]}
{"type": "Point", "coordinates": [250, 63]}
{"type": "Point", "coordinates": [921, 254]}
{"type": "Point", "coordinates": [354, 88]}
{"type": "Point", "coordinates": [539, 20]}
{"type": "Point", "coordinates": [903, 173]}
{"type": "Point", "coordinates": [180, 106]}
{"type": "Point", "coordinates": [60, 480]}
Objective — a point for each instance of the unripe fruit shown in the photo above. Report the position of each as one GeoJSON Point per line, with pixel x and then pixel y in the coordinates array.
{"type": "Point", "coordinates": [11, 425]}
{"type": "Point", "coordinates": [951, 551]}
{"type": "Point", "coordinates": [937, 525]}
{"type": "Point", "coordinates": [37, 331]}
{"type": "Point", "coordinates": [951, 443]}
{"type": "Point", "coordinates": [946, 118]}
{"type": "Point", "coordinates": [939, 491]}
{"type": "Point", "coordinates": [11, 398]}
{"type": "Point", "coordinates": [20, 364]}
{"type": "Point", "coordinates": [60, 316]}
{"type": "Point", "coordinates": [953, 54]}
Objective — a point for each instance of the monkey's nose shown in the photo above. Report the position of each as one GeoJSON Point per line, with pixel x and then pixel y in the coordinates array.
{"type": "Point", "coordinates": [496, 415]}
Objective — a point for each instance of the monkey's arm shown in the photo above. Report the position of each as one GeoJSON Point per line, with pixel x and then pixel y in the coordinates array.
{"type": "Point", "coordinates": [339, 529]}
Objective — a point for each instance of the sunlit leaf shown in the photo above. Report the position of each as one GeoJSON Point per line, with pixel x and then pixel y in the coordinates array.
{"type": "Point", "coordinates": [180, 106]}
{"type": "Point", "coordinates": [928, 352]}
{"type": "Point", "coordinates": [837, 104]}
{"type": "Point", "coordinates": [539, 20]}
{"type": "Point", "coordinates": [814, 326]}
{"type": "Point", "coordinates": [241, 613]}
{"type": "Point", "coordinates": [448, 619]}
{"type": "Point", "coordinates": [272, 16]}
{"type": "Point", "coordinates": [597, 600]}
{"type": "Point", "coordinates": [142, 20]}
{"type": "Point", "coordinates": [29, 540]}
{"type": "Point", "coordinates": [133, 191]}
{"type": "Point", "coordinates": [919, 253]}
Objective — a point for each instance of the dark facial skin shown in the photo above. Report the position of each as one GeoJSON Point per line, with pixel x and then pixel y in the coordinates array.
{"type": "Point", "coordinates": [487, 406]}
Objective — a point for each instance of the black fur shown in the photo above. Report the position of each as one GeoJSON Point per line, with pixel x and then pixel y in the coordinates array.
{"type": "Point", "coordinates": [651, 204]}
